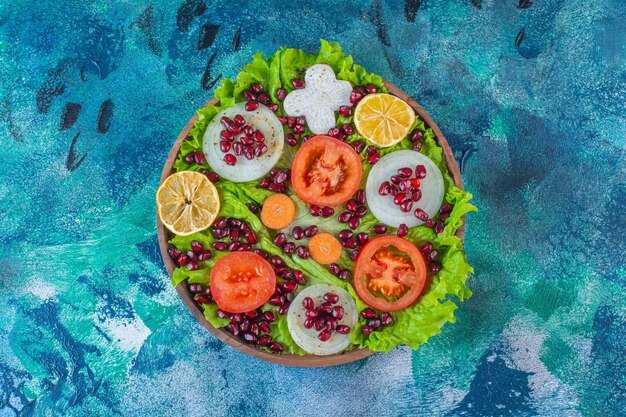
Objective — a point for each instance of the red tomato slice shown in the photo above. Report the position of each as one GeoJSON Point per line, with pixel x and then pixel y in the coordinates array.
{"type": "Point", "coordinates": [326, 171]}
{"type": "Point", "coordinates": [389, 266]}
{"type": "Point", "coordinates": [242, 281]}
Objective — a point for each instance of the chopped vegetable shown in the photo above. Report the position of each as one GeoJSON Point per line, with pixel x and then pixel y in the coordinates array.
{"type": "Point", "coordinates": [325, 248]}
{"type": "Point", "coordinates": [278, 211]}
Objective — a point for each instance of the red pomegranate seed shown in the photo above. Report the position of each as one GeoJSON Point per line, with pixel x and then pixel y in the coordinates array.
{"type": "Point", "coordinates": [235, 130]}
{"type": "Point", "coordinates": [291, 139]}
{"type": "Point", "coordinates": [342, 329]}
{"type": "Point", "coordinates": [444, 216]}
{"type": "Point", "coordinates": [246, 140]}
{"type": "Point", "coordinates": [331, 298]}
{"type": "Point", "coordinates": [233, 246]}
{"type": "Point", "coordinates": [291, 122]}
{"type": "Point", "coordinates": [310, 231]}
{"type": "Point", "coordinates": [248, 152]}
{"type": "Point", "coordinates": [367, 330]}
{"type": "Point", "coordinates": [324, 335]}
{"type": "Point", "coordinates": [192, 265]}
{"type": "Point", "coordinates": [277, 188]}
{"type": "Point", "coordinates": [303, 252]}
{"type": "Point", "coordinates": [206, 255]}
{"type": "Point", "coordinates": [362, 238]}
{"type": "Point", "coordinates": [345, 234]}
{"type": "Point", "coordinates": [258, 136]}
{"type": "Point", "coordinates": [299, 277]}
{"type": "Point", "coordinates": [370, 89]}
{"type": "Point", "coordinates": [289, 248]}
{"type": "Point", "coordinates": [405, 172]}
{"type": "Point", "coordinates": [420, 172]}
{"type": "Point", "coordinates": [326, 307]}
{"type": "Point", "coordinates": [191, 255]}
{"type": "Point", "coordinates": [174, 252]}
{"type": "Point", "coordinates": [373, 158]}
{"type": "Point", "coordinates": [399, 198]}
{"type": "Point", "coordinates": [264, 98]}
{"type": "Point", "coordinates": [280, 239]}
{"type": "Point", "coordinates": [312, 313]}
{"type": "Point", "coordinates": [396, 179]}
{"type": "Point", "coordinates": [432, 255]}
{"type": "Point", "coordinates": [345, 217]}
{"type": "Point", "coordinates": [361, 211]}
{"type": "Point", "coordinates": [198, 157]}
{"type": "Point", "coordinates": [358, 146]}
{"type": "Point", "coordinates": [290, 286]}
{"type": "Point", "coordinates": [277, 300]}
{"type": "Point", "coordinates": [356, 95]}
{"type": "Point", "coordinates": [350, 243]}
{"type": "Point", "coordinates": [300, 120]}
{"type": "Point", "coordinates": [234, 234]}
{"type": "Point", "coordinates": [416, 195]}
{"type": "Point", "coordinates": [386, 319]}
{"type": "Point", "coordinates": [439, 227]}
{"type": "Point", "coordinates": [248, 95]}
{"type": "Point", "coordinates": [379, 229]}
{"type": "Point", "coordinates": [420, 214]}
{"type": "Point", "coordinates": [415, 183]}
{"type": "Point", "coordinates": [244, 326]}
{"type": "Point", "coordinates": [226, 122]}
{"type": "Point", "coordinates": [297, 83]}
{"type": "Point", "coordinates": [251, 238]}
{"type": "Point", "coordinates": [238, 148]}
{"type": "Point", "coordinates": [351, 205]}
{"type": "Point", "coordinates": [280, 177]}
{"type": "Point", "coordinates": [308, 323]}
{"type": "Point", "coordinates": [345, 111]}
{"type": "Point", "coordinates": [222, 314]}
{"type": "Point", "coordinates": [276, 261]}
{"type": "Point", "coordinates": [402, 230]}
{"type": "Point", "coordinates": [248, 130]}
{"type": "Point", "coordinates": [239, 120]}
{"type": "Point", "coordinates": [281, 94]}
{"type": "Point", "coordinates": [220, 245]}
{"type": "Point", "coordinates": [427, 248]}
{"type": "Point", "coordinates": [262, 253]}
{"type": "Point", "coordinates": [368, 314]}
{"type": "Point", "coordinates": [393, 189]}
{"type": "Point", "coordinates": [327, 211]}
{"type": "Point", "coordinates": [297, 233]}
{"type": "Point", "coordinates": [347, 129]}
{"type": "Point", "coordinates": [298, 129]}
{"type": "Point", "coordinates": [252, 105]}
{"type": "Point", "coordinates": [417, 146]}
{"type": "Point", "coordinates": [417, 136]}
{"type": "Point", "coordinates": [189, 158]}
{"type": "Point", "coordinates": [260, 150]}
{"type": "Point", "coordinates": [269, 316]}
{"type": "Point", "coordinates": [273, 107]}
{"type": "Point", "coordinates": [276, 347]}
{"type": "Point", "coordinates": [435, 267]}
{"type": "Point", "coordinates": [201, 299]}
{"type": "Point", "coordinates": [213, 177]}
{"type": "Point", "coordinates": [224, 146]}
{"type": "Point", "coordinates": [337, 312]}
{"type": "Point", "coordinates": [334, 268]}
{"type": "Point", "coordinates": [230, 159]}
{"type": "Point", "coordinates": [331, 324]}
{"type": "Point", "coordinates": [264, 341]}
{"type": "Point", "coordinates": [343, 274]}
{"type": "Point", "coordinates": [334, 132]}
{"type": "Point", "coordinates": [196, 246]}
{"type": "Point", "coordinates": [360, 197]}
{"type": "Point", "coordinates": [406, 206]}
{"type": "Point", "coordinates": [446, 208]}
{"type": "Point", "coordinates": [256, 87]}
{"type": "Point", "coordinates": [265, 182]}
{"type": "Point", "coordinates": [374, 323]}
{"type": "Point", "coordinates": [315, 210]}
{"type": "Point", "coordinates": [233, 328]}
{"type": "Point", "coordinates": [430, 223]}
{"type": "Point", "coordinates": [353, 223]}
{"type": "Point", "coordinates": [308, 303]}
{"type": "Point", "coordinates": [249, 338]}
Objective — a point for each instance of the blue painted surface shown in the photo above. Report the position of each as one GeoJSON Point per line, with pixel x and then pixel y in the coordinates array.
{"type": "Point", "coordinates": [89, 323]}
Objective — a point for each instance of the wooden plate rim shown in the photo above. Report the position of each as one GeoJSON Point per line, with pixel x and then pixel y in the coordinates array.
{"type": "Point", "coordinates": [308, 361]}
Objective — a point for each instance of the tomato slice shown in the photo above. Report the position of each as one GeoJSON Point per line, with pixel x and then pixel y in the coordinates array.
{"type": "Point", "coordinates": [390, 273]}
{"type": "Point", "coordinates": [242, 281]}
{"type": "Point", "coordinates": [326, 171]}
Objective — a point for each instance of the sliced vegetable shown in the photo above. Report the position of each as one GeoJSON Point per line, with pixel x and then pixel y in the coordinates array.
{"type": "Point", "coordinates": [308, 336]}
{"type": "Point", "coordinates": [382, 203]}
{"type": "Point", "coordinates": [241, 281]}
{"type": "Point", "coordinates": [319, 98]}
{"type": "Point", "coordinates": [187, 202]}
{"type": "Point", "coordinates": [278, 211]}
{"type": "Point", "coordinates": [326, 171]}
{"type": "Point", "coordinates": [239, 154]}
{"type": "Point", "coordinates": [383, 119]}
{"type": "Point", "coordinates": [390, 273]}
{"type": "Point", "coordinates": [325, 248]}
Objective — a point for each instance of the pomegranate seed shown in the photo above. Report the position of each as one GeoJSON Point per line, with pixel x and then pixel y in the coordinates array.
{"type": "Point", "coordinates": [239, 120]}
{"type": "Point", "coordinates": [358, 146]}
{"type": "Point", "coordinates": [174, 251]}
{"type": "Point", "coordinates": [249, 338]}
{"type": "Point", "coordinates": [234, 234]}
{"type": "Point", "coordinates": [331, 298]}
{"type": "Point", "coordinates": [345, 217]}
{"type": "Point", "coordinates": [273, 107]}
{"type": "Point", "coordinates": [258, 136]}
{"type": "Point", "coordinates": [269, 316]}
{"type": "Point", "coordinates": [399, 198]}
{"type": "Point", "coordinates": [303, 252]}
{"type": "Point", "coordinates": [192, 266]}
{"type": "Point", "coordinates": [248, 95]}
{"type": "Point", "coordinates": [373, 158]}
{"type": "Point", "coordinates": [331, 324]}
{"type": "Point", "coordinates": [417, 136]}
{"type": "Point", "coordinates": [305, 138]}
{"type": "Point", "coordinates": [297, 233]}
{"type": "Point", "coordinates": [224, 146]}
{"type": "Point", "coordinates": [252, 105]}
{"type": "Point", "coordinates": [308, 323]}
{"type": "Point", "coordinates": [291, 122]}
{"type": "Point", "coordinates": [198, 157]}
{"type": "Point", "coordinates": [432, 255]}
{"type": "Point", "coordinates": [446, 208]}
{"type": "Point", "coordinates": [195, 288]}
{"type": "Point", "coordinates": [276, 261]}
{"type": "Point", "coordinates": [264, 341]}
{"type": "Point", "coordinates": [345, 234]}
{"type": "Point", "coordinates": [245, 227]}
{"type": "Point", "coordinates": [355, 254]}
{"type": "Point", "coordinates": [233, 328]}
{"type": "Point", "coordinates": [420, 172]}
{"type": "Point", "coordinates": [192, 255]}
{"type": "Point", "coordinates": [205, 256]}
{"type": "Point", "coordinates": [386, 319]}
{"type": "Point", "coordinates": [350, 243]}
{"type": "Point", "coordinates": [297, 83]}
{"type": "Point", "coordinates": [315, 210]}
{"type": "Point", "coordinates": [312, 313]}
{"type": "Point", "coordinates": [343, 329]}
{"type": "Point", "coordinates": [264, 98]}
{"type": "Point", "coordinates": [361, 211]}
{"type": "Point", "coordinates": [308, 303]}
{"type": "Point", "coordinates": [379, 229]}
{"type": "Point", "coordinates": [343, 274]}
{"type": "Point", "coordinates": [281, 94]}
{"type": "Point", "coordinates": [327, 212]}
{"type": "Point", "coordinates": [353, 223]}
{"type": "Point", "coordinates": [289, 248]}
{"type": "Point", "coordinates": [402, 230]}
{"type": "Point", "coordinates": [280, 239]}
{"type": "Point", "coordinates": [264, 327]}
{"type": "Point", "coordinates": [327, 306]}
{"type": "Point", "coordinates": [444, 216]}
{"type": "Point", "coordinates": [430, 223]}
{"type": "Point", "coordinates": [362, 238]}
{"type": "Point", "coordinates": [368, 314]}
{"type": "Point", "coordinates": [360, 196]}
{"type": "Point", "coordinates": [220, 245]}
{"type": "Point", "coordinates": [351, 205]}
{"type": "Point", "coordinates": [427, 248]}
{"type": "Point", "coordinates": [290, 286]}
{"type": "Point", "coordinates": [417, 146]}
{"type": "Point", "coordinates": [226, 122]}
{"type": "Point", "coordinates": [213, 177]}
{"type": "Point", "coordinates": [439, 227]}
{"type": "Point", "coordinates": [300, 120]}
{"type": "Point", "coordinates": [244, 326]}
{"type": "Point", "coordinates": [256, 87]}
{"type": "Point", "coordinates": [337, 312]}
{"type": "Point", "coordinates": [233, 246]}
{"type": "Point", "coordinates": [252, 314]}
{"type": "Point", "coordinates": [415, 183]}
{"type": "Point", "coordinates": [238, 148]}
{"type": "Point", "coordinates": [367, 330]}
{"type": "Point", "coordinates": [265, 182]}
{"type": "Point", "coordinates": [280, 177]}
{"type": "Point", "coordinates": [276, 347]}
{"type": "Point", "coordinates": [298, 129]}
{"type": "Point", "coordinates": [248, 152]}
{"type": "Point", "coordinates": [435, 267]}
{"type": "Point", "coordinates": [396, 179]}
{"type": "Point", "coordinates": [299, 277]}
{"type": "Point", "coordinates": [334, 132]}
{"type": "Point", "coordinates": [370, 89]}
{"type": "Point", "coordinates": [222, 314]}
{"type": "Point", "coordinates": [311, 231]}
{"type": "Point", "coordinates": [406, 206]}
{"type": "Point", "coordinates": [345, 111]}
{"type": "Point", "coordinates": [261, 149]}
{"type": "Point", "coordinates": [334, 268]}
{"type": "Point", "coordinates": [374, 324]}
{"type": "Point", "coordinates": [277, 300]}
{"type": "Point", "coordinates": [420, 214]}
{"type": "Point", "coordinates": [182, 260]}
{"type": "Point", "coordinates": [356, 95]}
{"type": "Point", "coordinates": [277, 188]}
{"type": "Point", "coordinates": [246, 140]}
{"type": "Point", "coordinates": [324, 335]}
{"type": "Point", "coordinates": [416, 195]}
{"type": "Point", "coordinates": [262, 253]}
{"type": "Point", "coordinates": [235, 130]}
{"type": "Point", "coordinates": [291, 139]}
{"type": "Point", "coordinates": [393, 189]}
{"type": "Point", "coordinates": [405, 172]}
{"type": "Point", "coordinates": [248, 131]}
{"type": "Point", "coordinates": [282, 310]}
{"type": "Point", "coordinates": [189, 158]}
{"type": "Point", "coordinates": [251, 238]}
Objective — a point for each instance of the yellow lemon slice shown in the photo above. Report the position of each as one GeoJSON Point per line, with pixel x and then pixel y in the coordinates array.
{"type": "Point", "coordinates": [187, 202]}
{"type": "Point", "coordinates": [383, 119]}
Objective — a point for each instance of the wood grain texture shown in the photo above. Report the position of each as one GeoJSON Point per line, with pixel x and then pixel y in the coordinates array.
{"type": "Point", "coordinates": [309, 361]}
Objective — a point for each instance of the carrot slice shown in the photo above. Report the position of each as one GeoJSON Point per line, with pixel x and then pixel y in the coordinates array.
{"type": "Point", "coordinates": [325, 248]}
{"type": "Point", "coordinates": [278, 211]}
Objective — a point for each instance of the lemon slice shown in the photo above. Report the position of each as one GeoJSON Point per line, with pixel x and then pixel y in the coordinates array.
{"type": "Point", "coordinates": [187, 202]}
{"type": "Point", "coordinates": [383, 119]}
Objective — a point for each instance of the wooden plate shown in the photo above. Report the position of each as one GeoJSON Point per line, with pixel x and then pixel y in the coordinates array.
{"type": "Point", "coordinates": [309, 361]}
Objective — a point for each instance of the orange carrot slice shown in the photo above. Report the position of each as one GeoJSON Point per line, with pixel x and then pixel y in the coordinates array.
{"type": "Point", "coordinates": [278, 211]}
{"type": "Point", "coordinates": [325, 248]}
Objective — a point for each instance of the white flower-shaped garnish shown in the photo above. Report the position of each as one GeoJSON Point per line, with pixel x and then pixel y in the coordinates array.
{"type": "Point", "coordinates": [321, 96]}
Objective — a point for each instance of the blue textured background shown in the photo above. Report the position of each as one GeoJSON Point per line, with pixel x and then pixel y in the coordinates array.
{"type": "Point", "coordinates": [89, 322]}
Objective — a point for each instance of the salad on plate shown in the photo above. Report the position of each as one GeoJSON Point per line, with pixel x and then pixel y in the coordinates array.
{"type": "Point", "coordinates": [312, 212]}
